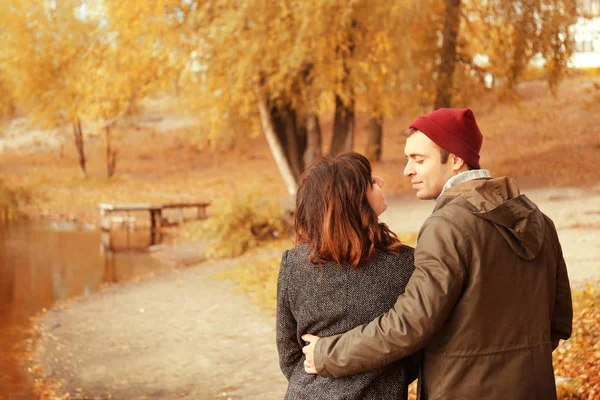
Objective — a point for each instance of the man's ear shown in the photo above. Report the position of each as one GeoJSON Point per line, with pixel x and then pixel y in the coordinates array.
{"type": "Point", "coordinates": [458, 164]}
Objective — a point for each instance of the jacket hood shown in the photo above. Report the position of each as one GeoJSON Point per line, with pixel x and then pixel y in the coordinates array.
{"type": "Point", "coordinates": [498, 200]}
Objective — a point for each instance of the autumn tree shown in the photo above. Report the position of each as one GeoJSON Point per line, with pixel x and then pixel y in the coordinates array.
{"type": "Point", "coordinates": [507, 36]}
{"type": "Point", "coordinates": [147, 53]}
{"type": "Point", "coordinates": [134, 54]}
{"type": "Point", "coordinates": [476, 44]}
{"type": "Point", "coordinates": [46, 45]}
{"type": "Point", "coordinates": [303, 59]}
{"type": "Point", "coordinates": [89, 60]}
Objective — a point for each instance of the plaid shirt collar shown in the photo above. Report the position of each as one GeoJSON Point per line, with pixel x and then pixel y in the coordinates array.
{"type": "Point", "coordinates": [465, 176]}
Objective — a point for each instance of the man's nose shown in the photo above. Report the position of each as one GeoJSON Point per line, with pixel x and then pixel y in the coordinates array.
{"type": "Point", "coordinates": [408, 170]}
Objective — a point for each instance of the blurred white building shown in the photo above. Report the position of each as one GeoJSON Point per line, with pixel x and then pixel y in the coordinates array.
{"type": "Point", "coordinates": [587, 36]}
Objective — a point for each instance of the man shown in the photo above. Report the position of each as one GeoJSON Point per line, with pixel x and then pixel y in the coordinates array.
{"type": "Point", "coordinates": [490, 296]}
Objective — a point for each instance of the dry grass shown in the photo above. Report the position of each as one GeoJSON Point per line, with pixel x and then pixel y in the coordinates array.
{"type": "Point", "coordinates": [578, 359]}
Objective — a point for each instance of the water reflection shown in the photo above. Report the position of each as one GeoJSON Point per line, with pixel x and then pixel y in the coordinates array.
{"type": "Point", "coordinates": [40, 265]}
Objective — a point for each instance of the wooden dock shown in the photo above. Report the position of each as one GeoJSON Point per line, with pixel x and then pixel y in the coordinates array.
{"type": "Point", "coordinates": [155, 212]}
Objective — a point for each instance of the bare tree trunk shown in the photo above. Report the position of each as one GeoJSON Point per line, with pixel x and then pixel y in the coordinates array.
{"type": "Point", "coordinates": [274, 144]}
{"type": "Point", "coordinates": [343, 123]}
{"type": "Point", "coordinates": [111, 155]}
{"type": "Point", "coordinates": [291, 135]}
{"type": "Point", "coordinates": [444, 85]}
{"type": "Point", "coordinates": [294, 148]}
{"type": "Point", "coordinates": [313, 139]}
{"type": "Point", "coordinates": [79, 145]}
{"type": "Point", "coordinates": [518, 62]}
{"type": "Point", "coordinates": [343, 127]}
{"type": "Point", "coordinates": [176, 81]}
{"type": "Point", "coordinates": [374, 141]}
{"type": "Point", "coordinates": [526, 30]}
{"type": "Point", "coordinates": [131, 103]}
{"type": "Point", "coordinates": [302, 140]}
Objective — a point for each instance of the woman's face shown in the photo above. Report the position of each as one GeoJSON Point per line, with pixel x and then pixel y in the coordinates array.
{"type": "Point", "coordinates": [375, 195]}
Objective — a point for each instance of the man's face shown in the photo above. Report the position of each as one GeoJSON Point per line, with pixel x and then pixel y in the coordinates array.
{"type": "Point", "coordinates": [424, 166]}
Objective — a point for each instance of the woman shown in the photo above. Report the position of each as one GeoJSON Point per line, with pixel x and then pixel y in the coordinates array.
{"type": "Point", "coordinates": [347, 269]}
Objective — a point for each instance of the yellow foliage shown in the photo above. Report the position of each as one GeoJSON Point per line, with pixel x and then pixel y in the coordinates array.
{"type": "Point", "coordinates": [241, 222]}
{"type": "Point", "coordinates": [44, 46]}
{"type": "Point", "coordinates": [146, 55]}
{"type": "Point", "coordinates": [11, 199]}
{"type": "Point", "coordinates": [66, 61]}
{"type": "Point", "coordinates": [590, 289]}
{"type": "Point", "coordinates": [408, 238]}
{"type": "Point", "coordinates": [578, 359]}
{"type": "Point", "coordinates": [509, 34]}
{"type": "Point", "coordinates": [302, 52]}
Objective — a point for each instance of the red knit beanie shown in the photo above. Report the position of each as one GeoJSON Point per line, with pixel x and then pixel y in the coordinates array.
{"type": "Point", "coordinates": [454, 130]}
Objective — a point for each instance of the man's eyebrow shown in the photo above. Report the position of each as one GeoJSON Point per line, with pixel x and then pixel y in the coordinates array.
{"type": "Point", "coordinates": [414, 155]}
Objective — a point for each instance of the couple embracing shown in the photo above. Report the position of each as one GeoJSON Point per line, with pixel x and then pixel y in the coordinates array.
{"type": "Point", "coordinates": [473, 312]}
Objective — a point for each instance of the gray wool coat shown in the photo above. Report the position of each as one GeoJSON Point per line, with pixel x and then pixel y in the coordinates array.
{"type": "Point", "coordinates": [325, 300]}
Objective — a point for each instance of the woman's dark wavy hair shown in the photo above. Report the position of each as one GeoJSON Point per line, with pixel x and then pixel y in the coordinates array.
{"type": "Point", "coordinates": [333, 214]}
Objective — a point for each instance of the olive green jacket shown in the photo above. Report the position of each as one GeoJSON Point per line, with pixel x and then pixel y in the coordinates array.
{"type": "Point", "coordinates": [488, 302]}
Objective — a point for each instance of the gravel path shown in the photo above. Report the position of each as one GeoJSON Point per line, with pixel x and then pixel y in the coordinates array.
{"type": "Point", "coordinates": [187, 335]}
{"type": "Point", "coordinates": [184, 335]}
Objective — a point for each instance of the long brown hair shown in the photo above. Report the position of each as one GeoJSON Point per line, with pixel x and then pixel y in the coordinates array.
{"type": "Point", "coordinates": [333, 213]}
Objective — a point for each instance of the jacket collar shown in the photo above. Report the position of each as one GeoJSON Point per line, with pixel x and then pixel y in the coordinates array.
{"type": "Point", "coordinates": [464, 177]}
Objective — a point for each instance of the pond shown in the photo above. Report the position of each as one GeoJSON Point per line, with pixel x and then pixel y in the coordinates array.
{"type": "Point", "coordinates": [45, 263]}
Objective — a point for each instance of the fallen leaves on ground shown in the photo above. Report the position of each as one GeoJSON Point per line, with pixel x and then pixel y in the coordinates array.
{"type": "Point", "coordinates": [578, 359]}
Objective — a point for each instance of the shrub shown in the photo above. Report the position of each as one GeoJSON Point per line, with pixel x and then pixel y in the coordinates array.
{"type": "Point", "coordinates": [239, 223]}
{"type": "Point", "coordinates": [11, 200]}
